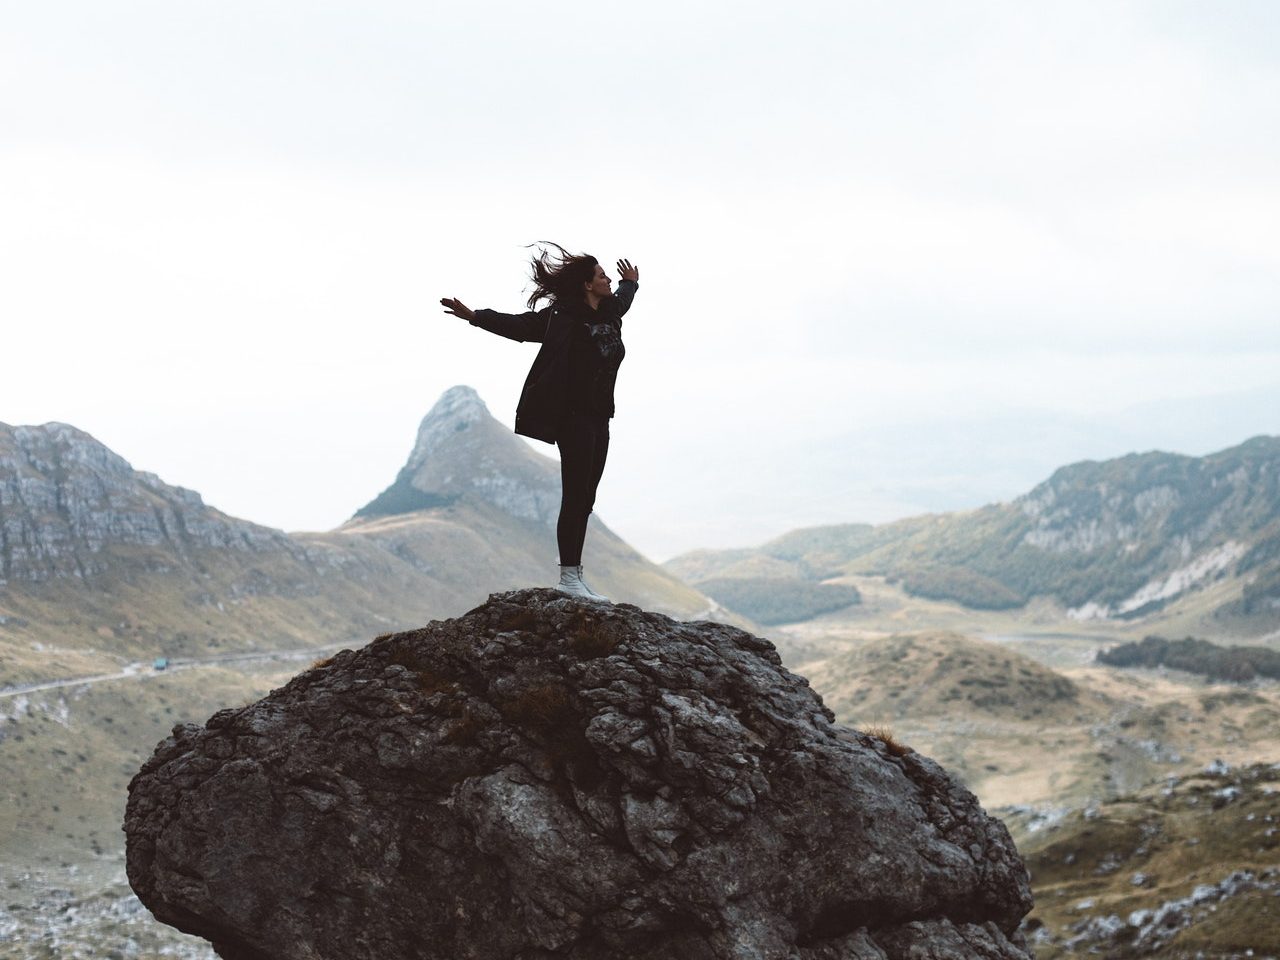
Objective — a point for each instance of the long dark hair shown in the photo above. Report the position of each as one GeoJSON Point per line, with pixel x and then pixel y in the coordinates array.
{"type": "Point", "coordinates": [560, 279]}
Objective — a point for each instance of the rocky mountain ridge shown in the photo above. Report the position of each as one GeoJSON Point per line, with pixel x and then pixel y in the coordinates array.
{"type": "Point", "coordinates": [64, 497]}
{"type": "Point", "coordinates": [1120, 539]}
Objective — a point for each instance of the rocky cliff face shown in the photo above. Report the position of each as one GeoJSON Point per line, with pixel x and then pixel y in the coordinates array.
{"type": "Point", "coordinates": [64, 497]}
{"type": "Point", "coordinates": [1178, 501]}
{"type": "Point", "coordinates": [1154, 525]}
{"type": "Point", "coordinates": [543, 777]}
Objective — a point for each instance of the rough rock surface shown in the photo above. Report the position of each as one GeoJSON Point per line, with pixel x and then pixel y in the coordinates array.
{"type": "Point", "coordinates": [545, 777]}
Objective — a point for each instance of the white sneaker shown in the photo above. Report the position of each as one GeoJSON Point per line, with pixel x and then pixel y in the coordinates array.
{"type": "Point", "coordinates": [571, 582]}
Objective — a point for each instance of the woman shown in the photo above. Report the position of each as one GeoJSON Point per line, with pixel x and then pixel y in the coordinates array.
{"type": "Point", "coordinates": [568, 395]}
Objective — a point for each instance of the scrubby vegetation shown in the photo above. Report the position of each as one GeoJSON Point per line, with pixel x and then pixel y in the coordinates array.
{"type": "Point", "coordinates": [772, 600]}
{"type": "Point", "coordinates": [1196, 656]}
{"type": "Point", "coordinates": [588, 638]}
{"type": "Point", "coordinates": [886, 736]}
{"type": "Point", "coordinates": [821, 552]}
{"type": "Point", "coordinates": [959, 584]}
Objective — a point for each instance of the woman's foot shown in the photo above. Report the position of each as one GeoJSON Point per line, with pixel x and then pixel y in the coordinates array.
{"type": "Point", "coordinates": [571, 582]}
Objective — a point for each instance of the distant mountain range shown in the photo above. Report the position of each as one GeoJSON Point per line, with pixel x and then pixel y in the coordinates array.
{"type": "Point", "coordinates": [1120, 539]}
{"type": "Point", "coordinates": [99, 561]}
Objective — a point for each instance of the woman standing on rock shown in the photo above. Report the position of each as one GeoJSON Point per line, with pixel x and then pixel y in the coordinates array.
{"type": "Point", "coordinates": [568, 395]}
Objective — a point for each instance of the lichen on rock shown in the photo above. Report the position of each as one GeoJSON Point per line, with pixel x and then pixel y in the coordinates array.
{"type": "Point", "coordinates": [547, 777]}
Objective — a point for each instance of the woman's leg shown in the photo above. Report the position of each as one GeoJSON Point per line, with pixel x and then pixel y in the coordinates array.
{"type": "Point", "coordinates": [578, 477]}
{"type": "Point", "coordinates": [584, 446]}
{"type": "Point", "coordinates": [600, 451]}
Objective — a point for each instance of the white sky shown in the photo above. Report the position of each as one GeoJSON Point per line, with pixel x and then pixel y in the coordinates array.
{"type": "Point", "coordinates": [894, 257]}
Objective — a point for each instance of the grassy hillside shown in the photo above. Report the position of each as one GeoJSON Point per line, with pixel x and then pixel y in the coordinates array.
{"type": "Point", "coordinates": [365, 578]}
{"type": "Point", "coordinates": [945, 674]}
{"type": "Point", "coordinates": [478, 549]}
{"type": "Point", "coordinates": [145, 605]}
{"type": "Point", "coordinates": [66, 758]}
{"type": "Point", "coordinates": [1020, 733]}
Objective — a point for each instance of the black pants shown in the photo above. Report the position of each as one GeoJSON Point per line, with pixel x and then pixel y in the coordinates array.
{"type": "Point", "coordinates": [584, 444]}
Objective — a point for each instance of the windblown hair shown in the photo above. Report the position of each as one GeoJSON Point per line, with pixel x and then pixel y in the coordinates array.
{"type": "Point", "coordinates": [560, 279]}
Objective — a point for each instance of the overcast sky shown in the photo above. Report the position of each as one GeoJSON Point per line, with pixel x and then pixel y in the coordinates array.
{"type": "Point", "coordinates": [894, 257]}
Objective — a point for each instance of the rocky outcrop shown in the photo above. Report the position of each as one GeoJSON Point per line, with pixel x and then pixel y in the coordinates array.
{"type": "Point", "coordinates": [546, 777]}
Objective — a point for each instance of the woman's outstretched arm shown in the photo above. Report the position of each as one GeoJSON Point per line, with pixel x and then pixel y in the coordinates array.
{"type": "Point", "coordinates": [627, 286]}
{"type": "Point", "coordinates": [524, 327]}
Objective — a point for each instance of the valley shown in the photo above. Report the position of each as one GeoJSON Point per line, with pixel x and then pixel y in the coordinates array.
{"type": "Point", "coordinates": [1049, 741]}
{"type": "Point", "coordinates": [1015, 703]}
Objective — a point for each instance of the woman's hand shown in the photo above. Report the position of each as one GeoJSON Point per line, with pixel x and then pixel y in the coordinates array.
{"type": "Point", "coordinates": [628, 271]}
{"type": "Point", "coordinates": [457, 308]}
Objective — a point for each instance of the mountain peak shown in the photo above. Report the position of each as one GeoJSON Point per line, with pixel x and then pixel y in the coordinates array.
{"type": "Point", "coordinates": [457, 409]}
{"type": "Point", "coordinates": [462, 451]}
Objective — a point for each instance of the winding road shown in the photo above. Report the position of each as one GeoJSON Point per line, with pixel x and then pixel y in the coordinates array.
{"type": "Point", "coordinates": [142, 668]}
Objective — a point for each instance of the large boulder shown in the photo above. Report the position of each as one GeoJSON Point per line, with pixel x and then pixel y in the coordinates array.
{"type": "Point", "coordinates": [548, 777]}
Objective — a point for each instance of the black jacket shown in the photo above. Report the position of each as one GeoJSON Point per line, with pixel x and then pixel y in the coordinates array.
{"type": "Point", "coordinates": [545, 400]}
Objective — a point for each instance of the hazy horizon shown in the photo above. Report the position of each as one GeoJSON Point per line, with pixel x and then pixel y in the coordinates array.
{"type": "Point", "coordinates": [892, 260]}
